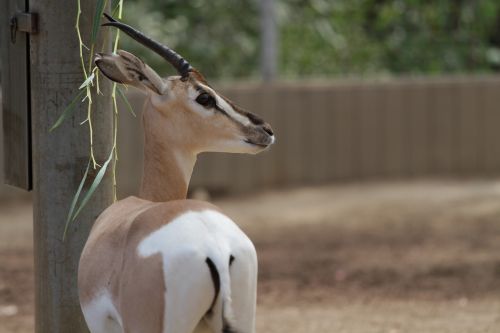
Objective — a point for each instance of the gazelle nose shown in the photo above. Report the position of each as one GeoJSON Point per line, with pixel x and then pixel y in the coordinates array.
{"type": "Point", "coordinates": [267, 128]}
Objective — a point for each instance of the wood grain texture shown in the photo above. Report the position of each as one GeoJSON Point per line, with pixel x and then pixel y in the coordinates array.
{"type": "Point", "coordinates": [14, 53]}
{"type": "Point", "coordinates": [59, 161]}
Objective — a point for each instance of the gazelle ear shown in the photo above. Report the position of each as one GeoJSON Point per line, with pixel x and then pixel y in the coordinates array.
{"type": "Point", "coordinates": [126, 68]}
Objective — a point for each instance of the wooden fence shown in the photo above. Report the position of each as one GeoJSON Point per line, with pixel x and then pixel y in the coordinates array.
{"type": "Point", "coordinates": [350, 131]}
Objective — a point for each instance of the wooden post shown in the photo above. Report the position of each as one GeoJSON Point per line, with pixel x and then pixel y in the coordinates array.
{"type": "Point", "coordinates": [14, 53]}
{"type": "Point", "coordinates": [60, 158]}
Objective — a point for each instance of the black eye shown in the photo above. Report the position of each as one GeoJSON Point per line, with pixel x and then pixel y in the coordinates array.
{"type": "Point", "coordinates": [206, 100]}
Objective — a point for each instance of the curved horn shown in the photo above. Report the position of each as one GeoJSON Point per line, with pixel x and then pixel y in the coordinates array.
{"type": "Point", "coordinates": [179, 63]}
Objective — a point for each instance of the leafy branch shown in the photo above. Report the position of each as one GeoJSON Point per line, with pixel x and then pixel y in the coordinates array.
{"type": "Point", "coordinates": [89, 85]}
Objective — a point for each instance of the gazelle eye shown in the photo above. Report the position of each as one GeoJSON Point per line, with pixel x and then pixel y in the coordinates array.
{"type": "Point", "coordinates": [206, 100]}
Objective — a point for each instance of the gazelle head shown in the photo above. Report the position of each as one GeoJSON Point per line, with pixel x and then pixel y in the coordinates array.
{"type": "Point", "coordinates": [184, 109]}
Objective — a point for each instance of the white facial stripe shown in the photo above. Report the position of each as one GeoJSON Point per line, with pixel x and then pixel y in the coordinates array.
{"type": "Point", "coordinates": [227, 108]}
{"type": "Point", "coordinates": [192, 94]}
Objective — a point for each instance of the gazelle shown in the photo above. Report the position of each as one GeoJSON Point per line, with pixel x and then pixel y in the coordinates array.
{"type": "Point", "coordinates": [160, 263]}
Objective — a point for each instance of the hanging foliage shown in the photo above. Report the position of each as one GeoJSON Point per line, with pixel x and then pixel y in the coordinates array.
{"type": "Point", "coordinates": [83, 94]}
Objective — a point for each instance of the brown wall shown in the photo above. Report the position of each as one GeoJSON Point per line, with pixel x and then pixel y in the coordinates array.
{"type": "Point", "coordinates": [349, 131]}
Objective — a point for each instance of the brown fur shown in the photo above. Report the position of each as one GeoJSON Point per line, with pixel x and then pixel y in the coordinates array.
{"type": "Point", "coordinates": [110, 260]}
{"type": "Point", "coordinates": [174, 135]}
{"type": "Point", "coordinates": [195, 75]}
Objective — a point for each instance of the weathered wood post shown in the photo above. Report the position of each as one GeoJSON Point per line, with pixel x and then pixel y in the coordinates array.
{"type": "Point", "coordinates": [59, 159]}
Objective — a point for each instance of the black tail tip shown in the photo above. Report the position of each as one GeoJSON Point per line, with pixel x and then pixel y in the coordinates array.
{"type": "Point", "coordinates": [226, 326]}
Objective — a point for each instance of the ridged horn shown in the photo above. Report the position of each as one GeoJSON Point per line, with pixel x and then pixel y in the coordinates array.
{"type": "Point", "coordinates": [179, 63]}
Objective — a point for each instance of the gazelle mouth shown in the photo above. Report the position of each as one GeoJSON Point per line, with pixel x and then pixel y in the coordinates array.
{"type": "Point", "coordinates": [257, 143]}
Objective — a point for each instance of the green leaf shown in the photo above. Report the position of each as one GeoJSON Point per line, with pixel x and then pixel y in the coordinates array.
{"type": "Point", "coordinates": [94, 185]}
{"type": "Point", "coordinates": [88, 81]}
{"type": "Point", "coordinates": [99, 9]}
{"type": "Point", "coordinates": [127, 103]}
{"type": "Point", "coordinates": [67, 111]}
{"type": "Point", "coordinates": [75, 199]}
{"type": "Point", "coordinates": [116, 6]}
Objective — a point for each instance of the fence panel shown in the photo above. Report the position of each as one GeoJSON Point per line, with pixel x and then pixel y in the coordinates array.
{"type": "Point", "coordinates": [354, 130]}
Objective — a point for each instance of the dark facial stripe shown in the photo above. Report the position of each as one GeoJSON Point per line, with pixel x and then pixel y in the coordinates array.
{"type": "Point", "coordinates": [234, 106]}
{"type": "Point", "coordinates": [254, 119]}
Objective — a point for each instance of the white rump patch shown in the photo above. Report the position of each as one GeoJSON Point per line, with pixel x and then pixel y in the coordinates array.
{"type": "Point", "coordinates": [194, 231]}
{"type": "Point", "coordinates": [185, 243]}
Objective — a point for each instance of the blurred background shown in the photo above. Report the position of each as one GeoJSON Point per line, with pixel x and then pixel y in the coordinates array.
{"type": "Point", "coordinates": [378, 209]}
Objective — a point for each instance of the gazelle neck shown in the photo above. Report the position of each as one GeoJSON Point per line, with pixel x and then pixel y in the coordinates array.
{"type": "Point", "coordinates": [167, 167]}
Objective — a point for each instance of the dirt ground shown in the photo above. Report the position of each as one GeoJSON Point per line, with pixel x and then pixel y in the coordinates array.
{"type": "Point", "coordinates": [387, 257]}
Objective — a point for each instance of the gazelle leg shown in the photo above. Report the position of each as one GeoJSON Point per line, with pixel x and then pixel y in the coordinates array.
{"type": "Point", "coordinates": [189, 295]}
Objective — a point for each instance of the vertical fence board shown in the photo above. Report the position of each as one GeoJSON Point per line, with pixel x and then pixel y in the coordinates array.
{"type": "Point", "coordinates": [280, 127]}
{"type": "Point", "coordinates": [417, 129]}
{"type": "Point", "coordinates": [454, 110]}
{"type": "Point", "coordinates": [491, 106]}
{"type": "Point", "coordinates": [369, 129]}
{"type": "Point", "coordinates": [442, 127]}
{"type": "Point", "coordinates": [406, 125]}
{"type": "Point", "coordinates": [331, 128]}
{"type": "Point", "coordinates": [355, 125]}
{"type": "Point", "coordinates": [468, 127]}
{"type": "Point", "coordinates": [308, 149]}
{"type": "Point", "coordinates": [342, 133]}
{"type": "Point", "coordinates": [291, 135]}
{"type": "Point", "coordinates": [320, 126]}
{"type": "Point", "coordinates": [394, 136]}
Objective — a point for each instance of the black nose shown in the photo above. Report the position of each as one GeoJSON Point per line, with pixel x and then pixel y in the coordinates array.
{"type": "Point", "coordinates": [267, 128]}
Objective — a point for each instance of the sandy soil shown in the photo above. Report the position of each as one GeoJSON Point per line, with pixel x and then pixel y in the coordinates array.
{"type": "Point", "coordinates": [398, 257]}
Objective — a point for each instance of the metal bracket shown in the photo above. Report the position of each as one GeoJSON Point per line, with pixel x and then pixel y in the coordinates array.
{"type": "Point", "coordinates": [23, 22]}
